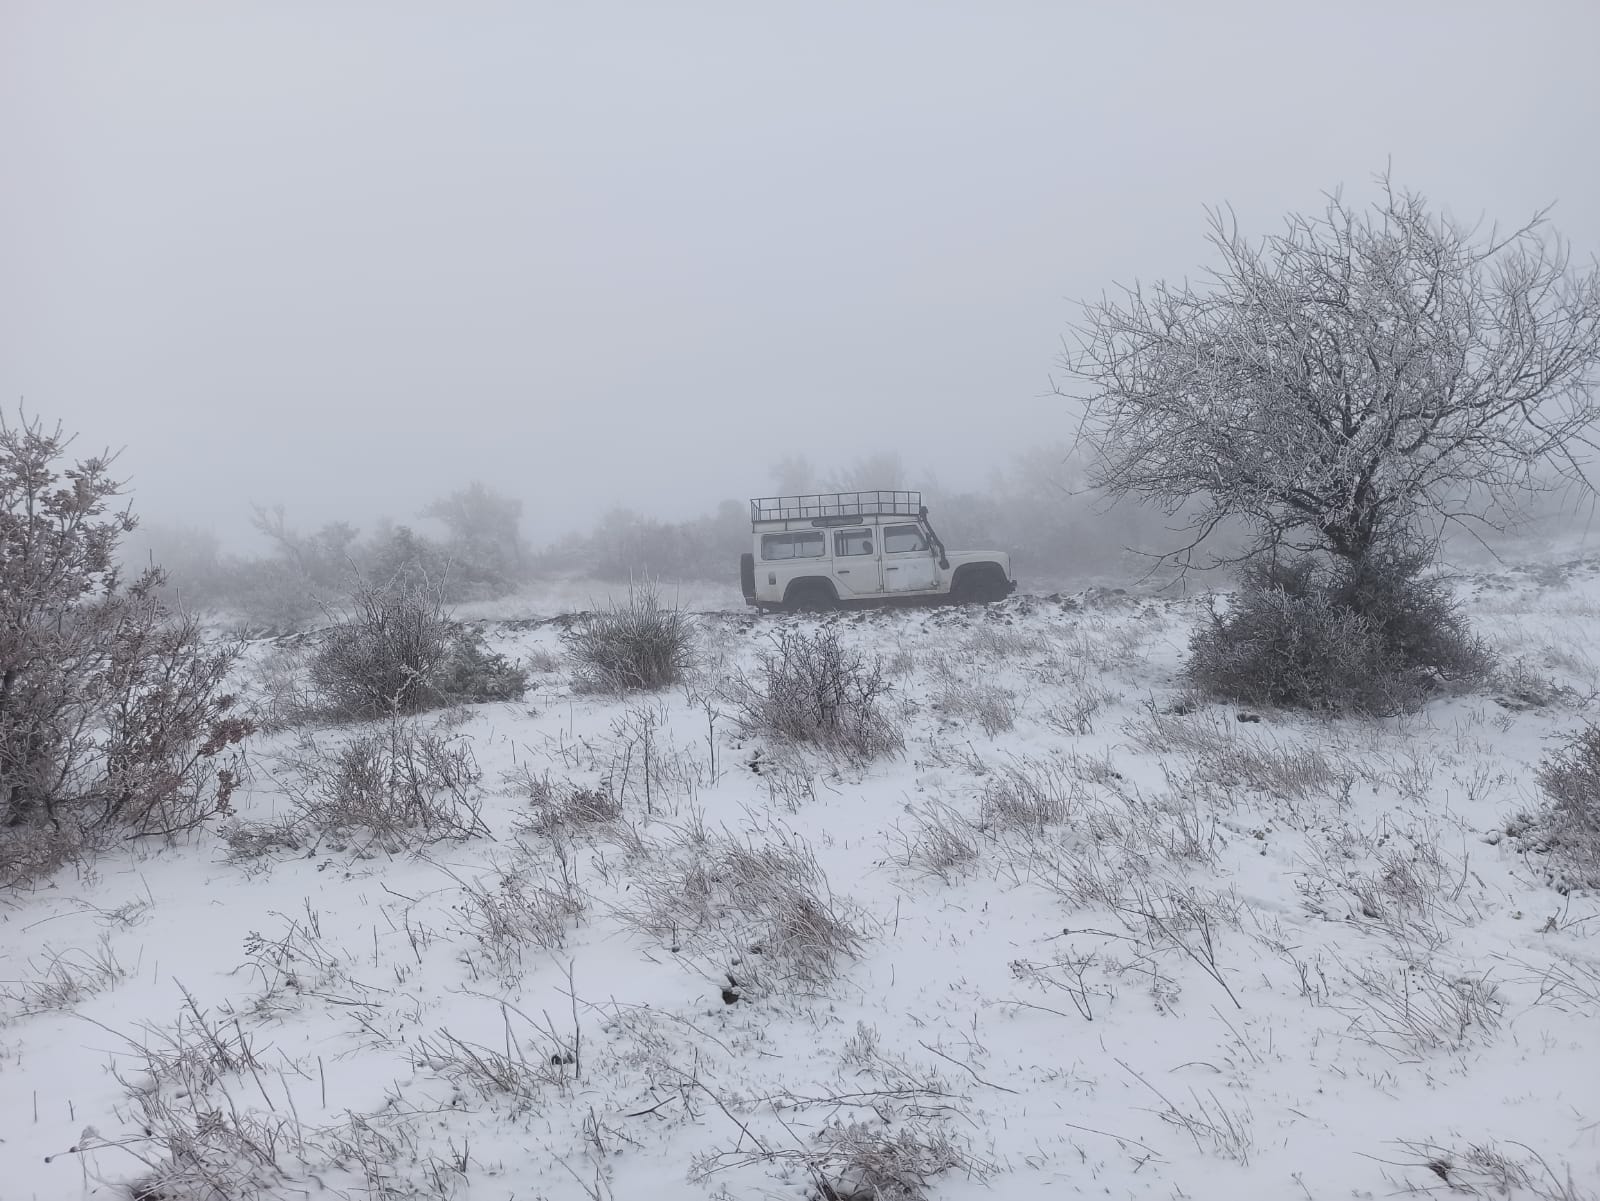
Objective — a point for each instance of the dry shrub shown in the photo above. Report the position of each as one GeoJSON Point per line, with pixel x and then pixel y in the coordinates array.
{"type": "Point", "coordinates": [994, 640]}
{"type": "Point", "coordinates": [1520, 685]}
{"type": "Point", "coordinates": [639, 645]}
{"type": "Point", "coordinates": [1401, 880]}
{"type": "Point", "coordinates": [791, 777]}
{"type": "Point", "coordinates": [506, 1075]}
{"type": "Point", "coordinates": [210, 1146]}
{"type": "Point", "coordinates": [114, 714]}
{"type": "Point", "coordinates": [199, 1140]}
{"type": "Point", "coordinates": [65, 978]}
{"type": "Point", "coordinates": [941, 842]}
{"type": "Point", "coordinates": [1485, 1170]}
{"type": "Point", "coordinates": [1566, 830]}
{"type": "Point", "coordinates": [760, 911]}
{"type": "Point", "coordinates": [248, 841]}
{"type": "Point", "coordinates": [542, 660]}
{"type": "Point", "coordinates": [1414, 1008]}
{"type": "Point", "coordinates": [860, 1160]}
{"type": "Point", "coordinates": [282, 697]}
{"type": "Point", "coordinates": [958, 695]}
{"type": "Point", "coordinates": [520, 906]}
{"type": "Point", "coordinates": [1098, 842]}
{"type": "Point", "coordinates": [1093, 647]}
{"type": "Point", "coordinates": [558, 810]}
{"type": "Point", "coordinates": [1074, 716]}
{"type": "Point", "coordinates": [396, 786]}
{"type": "Point", "coordinates": [1379, 640]}
{"type": "Point", "coordinates": [396, 651]}
{"type": "Point", "coordinates": [1026, 796]}
{"type": "Point", "coordinates": [1221, 752]}
{"type": "Point", "coordinates": [811, 689]}
{"type": "Point", "coordinates": [127, 729]}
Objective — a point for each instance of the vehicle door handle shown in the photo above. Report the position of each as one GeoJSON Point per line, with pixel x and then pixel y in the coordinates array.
{"type": "Point", "coordinates": [891, 569]}
{"type": "Point", "coordinates": [844, 571]}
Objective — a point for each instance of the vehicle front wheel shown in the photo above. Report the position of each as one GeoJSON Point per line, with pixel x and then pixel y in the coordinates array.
{"type": "Point", "coordinates": [980, 588]}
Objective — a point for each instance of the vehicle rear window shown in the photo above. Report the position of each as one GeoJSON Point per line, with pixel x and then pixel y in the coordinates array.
{"type": "Point", "coordinates": [806, 545]}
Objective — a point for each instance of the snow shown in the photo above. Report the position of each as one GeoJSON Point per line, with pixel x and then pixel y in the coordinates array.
{"type": "Point", "coordinates": [1216, 959]}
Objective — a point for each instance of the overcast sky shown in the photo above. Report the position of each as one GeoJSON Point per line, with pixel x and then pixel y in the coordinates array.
{"type": "Point", "coordinates": [348, 256]}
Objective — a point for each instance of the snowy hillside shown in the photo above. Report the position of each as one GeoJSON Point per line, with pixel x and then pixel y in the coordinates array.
{"type": "Point", "coordinates": [1080, 937]}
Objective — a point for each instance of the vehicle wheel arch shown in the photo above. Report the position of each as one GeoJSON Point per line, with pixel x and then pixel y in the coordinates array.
{"type": "Point", "coordinates": [810, 591]}
{"type": "Point", "coordinates": [979, 581]}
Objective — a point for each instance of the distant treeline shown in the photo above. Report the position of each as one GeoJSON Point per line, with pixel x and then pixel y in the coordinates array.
{"type": "Point", "coordinates": [1039, 508]}
{"type": "Point", "coordinates": [480, 555]}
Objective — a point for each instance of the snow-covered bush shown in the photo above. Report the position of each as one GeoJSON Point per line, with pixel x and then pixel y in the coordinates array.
{"type": "Point", "coordinates": [561, 809]}
{"type": "Point", "coordinates": [1376, 639]}
{"type": "Point", "coordinates": [639, 644]}
{"type": "Point", "coordinates": [398, 785]}
{"type": "Point", "coordinates": [812, 689]}
{"type": "Point", "coordinates": [398, 652]}
{"type": "Point", "coordinates": [114, 712]}
{"type": "Point", "coordinates": [1567, 828]}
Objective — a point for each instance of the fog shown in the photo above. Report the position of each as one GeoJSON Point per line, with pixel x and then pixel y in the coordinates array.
{"type": "Point", "coordinates": [348, 258]}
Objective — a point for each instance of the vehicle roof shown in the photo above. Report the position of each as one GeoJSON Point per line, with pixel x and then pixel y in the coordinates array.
{"type": "Point", "coordinates": [882, 502]}
{"type": "Point", "coordinates": [839, 522]}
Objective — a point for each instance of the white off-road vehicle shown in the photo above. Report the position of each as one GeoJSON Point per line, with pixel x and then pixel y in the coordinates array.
{"type": "Point", "coordinates": [833, 549]}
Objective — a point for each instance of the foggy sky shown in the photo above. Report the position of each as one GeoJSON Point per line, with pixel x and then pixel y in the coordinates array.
{"type": "Point", "coordinates": [349, 256]}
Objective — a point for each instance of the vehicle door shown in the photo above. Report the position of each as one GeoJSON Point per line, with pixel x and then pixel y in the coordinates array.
{"type": "Point", "coordinates": [908, 563]}
{"type": "Point", "coordinates": [856, 566]}
{"type": "Point", "coordinates": [788, 556]}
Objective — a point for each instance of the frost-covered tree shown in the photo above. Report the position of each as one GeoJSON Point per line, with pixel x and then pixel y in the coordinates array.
{"type": "Point", "coordinates": [113, 708]}
{"type": "Point", "coordinates": [793, 475]}
{"type": "Point", "coordinates": [485, 540]}
{"type": "Point", "coordinates": [1360, 378]}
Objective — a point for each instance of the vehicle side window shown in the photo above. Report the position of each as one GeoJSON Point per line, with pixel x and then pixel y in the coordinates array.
{"type": "Point", "coordinates": [807, 545]}
{"type": "Point", "coordinates": [897, 538]}
{"type": "Point", "coordinates": [852, 542]}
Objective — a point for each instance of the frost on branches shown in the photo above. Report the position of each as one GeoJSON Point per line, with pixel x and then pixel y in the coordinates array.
{"type": "Point", "coordinates": [113, 711]}
{"type": "Point", "coordinates": [1358, 379]}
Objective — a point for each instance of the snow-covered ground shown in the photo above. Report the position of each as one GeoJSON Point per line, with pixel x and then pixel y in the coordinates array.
{"type": "Point", "coordinates": [1077, 939]}
{"type": "Point", "coordinates": [548, 598]}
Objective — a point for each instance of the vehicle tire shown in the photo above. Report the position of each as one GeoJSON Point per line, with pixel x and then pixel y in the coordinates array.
{"type": "Point", "coordinates": [998, 587]}
{"type": "Point", "coordinates": [979, 587]}
{"type": "Point", "coordinates": [810, 598]}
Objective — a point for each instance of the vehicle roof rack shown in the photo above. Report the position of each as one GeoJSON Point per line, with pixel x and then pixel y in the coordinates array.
{"type": "Point", "coordinates": [836, 504]}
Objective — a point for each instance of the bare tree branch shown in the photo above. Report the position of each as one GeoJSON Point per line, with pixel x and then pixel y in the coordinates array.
{"type": "Point", "coordinates": [1352, 378]}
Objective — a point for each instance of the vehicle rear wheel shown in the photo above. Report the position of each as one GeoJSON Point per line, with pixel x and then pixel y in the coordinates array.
{"type": "Point", "coordinates": [810, 598]}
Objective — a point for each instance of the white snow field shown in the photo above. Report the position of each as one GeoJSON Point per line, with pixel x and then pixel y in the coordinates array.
{"type": "Point", "coordinates": [1077, 939]}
